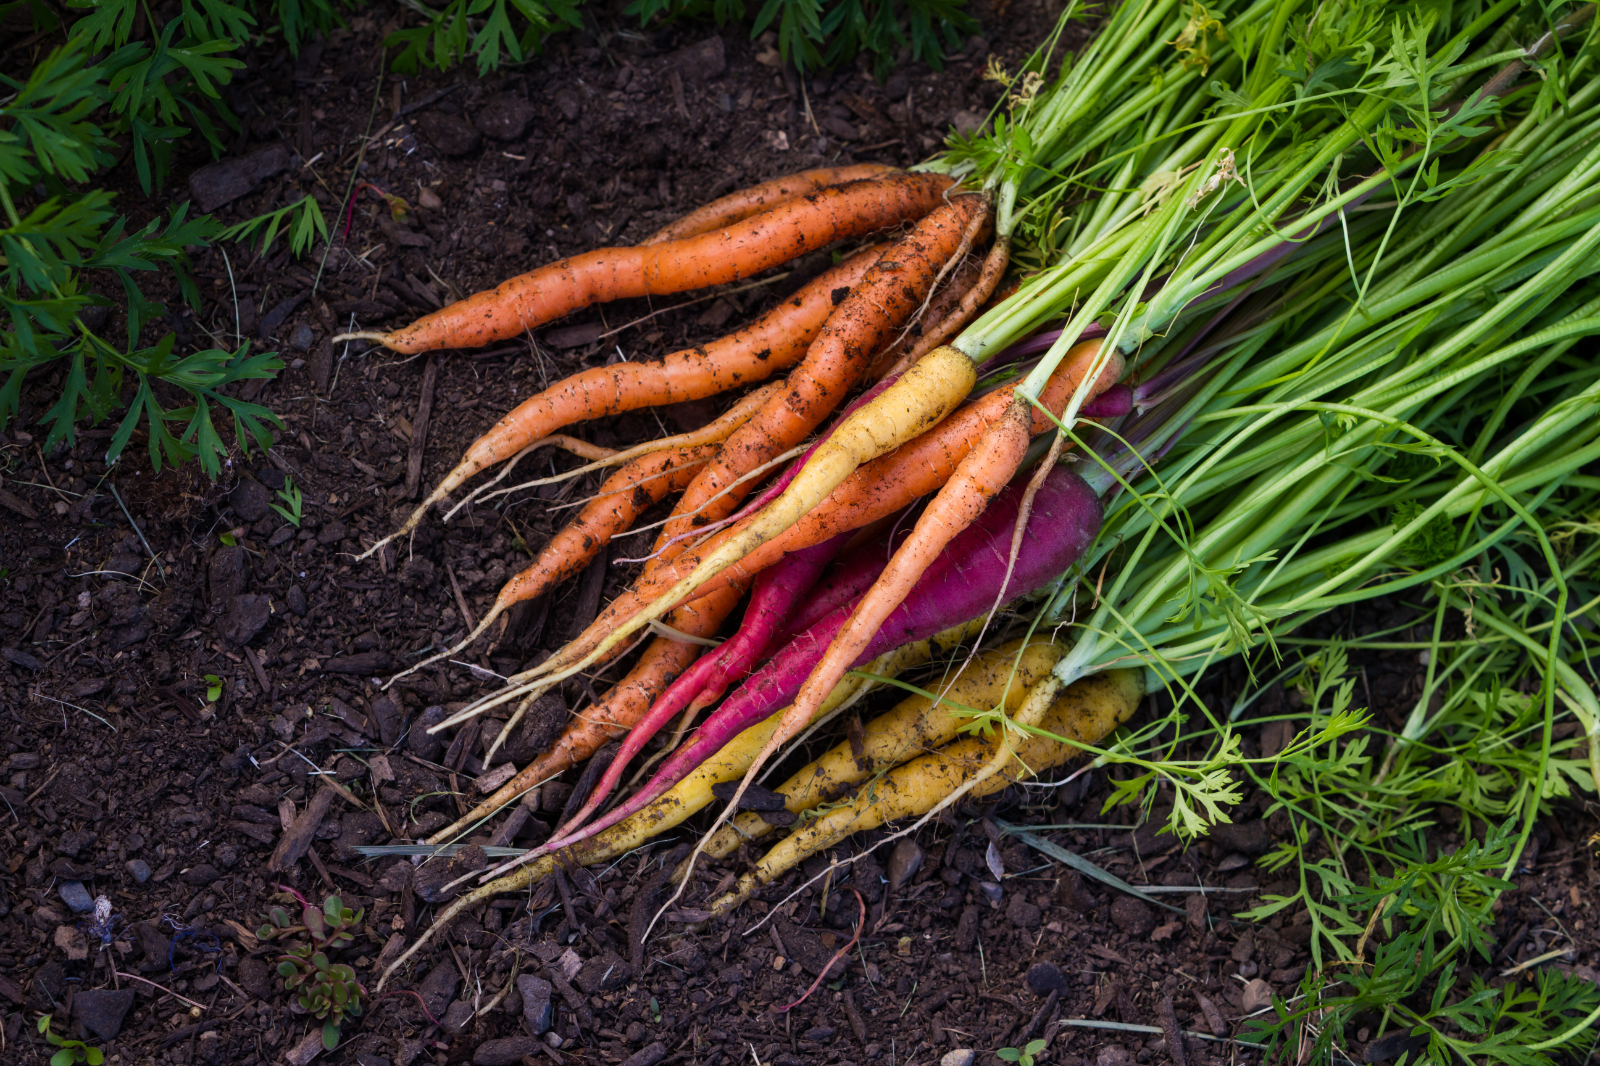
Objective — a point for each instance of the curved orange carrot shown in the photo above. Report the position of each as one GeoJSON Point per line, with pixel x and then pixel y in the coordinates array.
{"type": "Point", "coordinates": [945, 302]}
{"type": "Point", "coordinates": [866, 321]}
{"type": "Point", "coordinates": [785, 232]}
{"type": "Point", "coordinates": [738, 206]}
{"type": "Point", "coordinates": [771, 343]}
{"type": "Point", "coordinates": [948, 324]}
{"type": "Point", "coordinates": [876, 489]}
{"type": "Point", "coordinates": [627, 702]}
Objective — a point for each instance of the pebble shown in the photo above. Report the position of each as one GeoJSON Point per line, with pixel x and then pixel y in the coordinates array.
{"type": "Point", "coordinates": [1113, 1055]}
{"type": "Point", "coordinates": [101, 1010]}
{"type": "Point", "coordinates": [904, 862]}
{"type": "Point", "coordinates": [961, 1056]}
{"type": "Point", "coordinates": [140, 871]}
{"type": "Point", "coordinates": [991, 892]}
{"type": "Point", "coordinates": [74, 895]}
{"type": "Point", "coordinates": [302, 338]}
{"type": "Point", "coordinates": [250, 500]}
{"type": "Point", "coordinates": [505, 1051]}
{"type": "Point", "coordinates": [536, 1007]}
{"type": "Point", "coordinates": [295, 599]}
{"type": "Point", "coordinates": [1257, 996]}
{"type": "Point", "coordinates": [1046, 977]}
{"type": "Point", "coordinates": [248, 614]}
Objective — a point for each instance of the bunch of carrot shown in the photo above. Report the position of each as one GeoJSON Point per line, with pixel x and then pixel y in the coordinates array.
{"type": "Point", "coordinates": [933, 499]}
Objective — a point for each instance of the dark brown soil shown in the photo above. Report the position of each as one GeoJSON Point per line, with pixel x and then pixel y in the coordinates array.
{"type": "Point", "coordinates": [123, 773]}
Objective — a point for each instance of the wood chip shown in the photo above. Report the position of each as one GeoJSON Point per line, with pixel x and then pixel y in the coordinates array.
{"type": "Point", "coordinates": [296, 839]}
{"type": "Point", "coordinates": [419, 430]}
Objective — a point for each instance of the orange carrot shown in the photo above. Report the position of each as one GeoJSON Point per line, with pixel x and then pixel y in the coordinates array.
{"type": "Point", "coordinates": [947, 325]}
{"type": "Point", "coordinates": [773, 342]}
{"type": "Point", "coordinates": [865, 322]}
{"type": "Point", "coordinates": [624, 496]}
{"type": "Point", "coordinates": [946, 299]}
{"type": "Point", "coordinates": [738, 206]}
{"type": "Point", "coordinates": [627, 702]}
{"type": "Point", "coordinates": [773, 237]}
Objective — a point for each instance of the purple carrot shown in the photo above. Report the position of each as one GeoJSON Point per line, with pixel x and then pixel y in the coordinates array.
{"type": "Point", "coordinates": [853, 576]}
{"type": "Point", "coordinates": [963, 582]}
{"type": "Point", "coordinates": [776, 592]}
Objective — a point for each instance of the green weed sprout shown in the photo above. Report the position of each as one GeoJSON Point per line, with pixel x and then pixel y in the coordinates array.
{"type": "Point", "coordinates": [213, 688]}
{"type": "Point", "coordinates": [1022, 1056]}
{"type": "Point", "coordinates": [71, 1050]}
{"type": "Point", "coordinates": [327, 990]}
{"type": "Point", "coordinates": [290, 509]}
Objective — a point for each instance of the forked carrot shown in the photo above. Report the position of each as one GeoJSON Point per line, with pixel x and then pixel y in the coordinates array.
{"type": "Point", "coordinates": [737, 206]}
{"type": "Point", "coordinates": [628, 701]}
{"type": "Point", "coordinates": [772, 343]}
{"type": "Point", "coordinates": [945, 302]}
{"type": "Point", "coordinates": [621, 499]}
{"type": "Point", "coordinates": [945, 326]}
{"type": "Point", "coordinates": [789, 230]}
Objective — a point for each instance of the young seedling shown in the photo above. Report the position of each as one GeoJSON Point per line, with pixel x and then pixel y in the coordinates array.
{"type": "Point", "coordinates": [1022, 1056]}
{"type": "Point", "coordinates": [213, 688]}
{"type": "Point", "coordinates": [327, 990]}
{"type": "Point", "coordinates": [71, 1050]}
{"type": "Point", "coordinates": [290, 508]}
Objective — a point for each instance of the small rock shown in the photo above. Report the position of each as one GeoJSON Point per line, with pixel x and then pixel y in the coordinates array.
{"type": "Point", "coordinates": [101, 1010]}
{"type": "Point", "coordinates": [210, 1049]}
{"type": "Point", "coordinates": [635, 1033]}
{"type": "Point", "coordinates": [248, 614]}
{"type": "Point", "coordinates": [451, 134]}
{"type": "Point", "coordinates": [70, 941]}
{"type": "Point", "coordinates": [456, 1018]}
{"type": "Point", "coordinates": [227, 575]}
{"type": "Point", "coordinates": [424, 745]}
{"type": "Point", "coordinates": [224, 181]}
{"type": "Point", "coordinates": [647, 1056]}
{"type": "Point", "coordinates": [536, 1007]}
{"type": "Point", "coordinates": [250, 500]}
{"type": "Point", "coordinates": [302, 338]}
{"type": "Point", "coordinates": [139, 869]}
{"type": "Point", "coordinates": [961, 1056]}
{"type": "Point", "coordinates": [200, 876]}
{"type": "Point", "coordinates": [1257, 995]}
{"type": "Point", "coordinates": [570, 103]}
{"type": "Point", "coordinates": [700, 62]}
{"type": "Point", "coordinates": [505, 1051]}
{"type": "Point", "coordinates": [504, 116]}
{"type": "Point", "coordinates": [295, 599]}
{"type": "Point", "coordinates": [607, 973]}
{"type": "Point", "coordinates": [967, 929]}
{"type": "Point", "coordinates": [1113, 1055]}
{"type": "Point", "coordinates": [439, 987]}
{"type": "Point", "coordinates": [1132, 916]}
{"type": "Point", "coordinates": [429, 199]}
{"type": "Point", "coordinates": [904, 862]}
{"type": "Point", "coordinates": [1023, 915]}
{"type": "Point", "coordinates": [74, 895]}
{"type": "Point", "coordinates": [1247, 838]}
{"type": "Point", "coordinates": [390, 719]}
{"type": "Point", "coordinates": [992, 892]}
{"type": "Point", "coordinates": [1046, 977]}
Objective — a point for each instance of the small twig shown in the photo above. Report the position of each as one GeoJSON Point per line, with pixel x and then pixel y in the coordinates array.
{"type": "Point", "coordinates": [112, 485]}
{"type": "Point", "coordinates": [837, 955]}
{"type": "Point", "coordinates": [152, 984]}
{"type": "Point", "coordinates": [419, 430]}
{"type": "Point", "coordinates": [461, 601]}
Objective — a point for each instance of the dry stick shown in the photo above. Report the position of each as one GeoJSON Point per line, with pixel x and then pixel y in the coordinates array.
{"type": "Point", "coordinates": [419, 431]}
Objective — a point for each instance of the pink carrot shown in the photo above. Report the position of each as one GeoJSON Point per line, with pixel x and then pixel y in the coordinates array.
{"type": "Point", "coordinates": [962, 583]}
{"type": "Point", "coordinates": [773, 598]}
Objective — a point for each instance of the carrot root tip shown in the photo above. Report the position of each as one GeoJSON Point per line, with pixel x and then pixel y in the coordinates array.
{"type": "Point", "coordinates": [364, 335]}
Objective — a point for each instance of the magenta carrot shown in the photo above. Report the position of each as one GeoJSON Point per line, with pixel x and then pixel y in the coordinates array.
{"type": "Point", "coordinates": [776, 592]}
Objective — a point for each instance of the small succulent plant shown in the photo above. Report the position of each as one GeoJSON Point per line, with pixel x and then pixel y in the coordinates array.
{"type": "Point", "coordinates": [327, 990]}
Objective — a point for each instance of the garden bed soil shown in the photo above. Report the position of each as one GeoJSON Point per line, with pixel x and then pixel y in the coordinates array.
{"type": "Point", "coordinates": [168, 721]}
